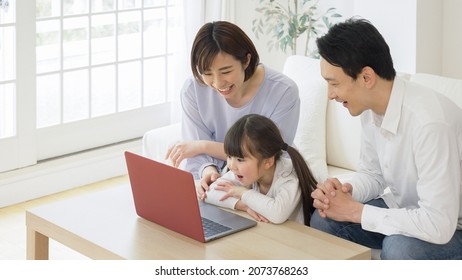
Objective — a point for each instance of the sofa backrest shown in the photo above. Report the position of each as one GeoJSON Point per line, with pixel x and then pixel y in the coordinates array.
{"type": "Point", "coordinates": [343, 137]}
{"type": "Point", "coordinates": [452, 88]}
{"type": "Point", "coordinates": [327, 134]}
{"type": "Point", "coordinates": [310, 138]}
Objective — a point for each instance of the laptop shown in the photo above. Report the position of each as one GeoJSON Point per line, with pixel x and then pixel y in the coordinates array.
{"type": "Point", "coordinates": [167, 196]}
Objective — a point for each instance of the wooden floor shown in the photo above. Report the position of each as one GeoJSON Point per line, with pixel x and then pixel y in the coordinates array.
{"type": "Point", "coordinates": [13, 224]}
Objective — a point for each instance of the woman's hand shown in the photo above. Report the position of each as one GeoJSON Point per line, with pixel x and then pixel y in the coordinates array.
{"type": "Point", "coordinates": [200, 191]}
{"type": "Point", "coordinates": [187, 149]}
{"type": "Point", "coordinates": [183, 150]}
{"type": "Point", "coordinates": [209, 175]}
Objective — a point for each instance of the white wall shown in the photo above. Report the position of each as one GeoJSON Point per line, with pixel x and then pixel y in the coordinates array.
{"type": "Point", "coordinates": [429, 33]}
{"type": "Point", "coordinates": [397, 26]}
{"type": "Point", "coordinates": [245, 13]}
{"type": "Point", "coordinates": [452, 39]}
{"type": "Point", "coordinates": [423, 35]}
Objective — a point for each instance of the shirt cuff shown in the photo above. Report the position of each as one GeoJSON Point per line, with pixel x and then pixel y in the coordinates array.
{"type": "Point", "coordinates": [370, 216]}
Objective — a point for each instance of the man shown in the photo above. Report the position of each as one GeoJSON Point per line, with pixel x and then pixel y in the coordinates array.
{"type": "Point", "coordinates": [406, 196]}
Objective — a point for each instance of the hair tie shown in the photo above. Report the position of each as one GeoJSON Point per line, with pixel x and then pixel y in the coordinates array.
{"type": "Point", "coordinates": [284, 147]}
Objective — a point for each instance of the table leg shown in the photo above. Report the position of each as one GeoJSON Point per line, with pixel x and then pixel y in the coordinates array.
{"type": "Point", "coordinates": [37, 245]}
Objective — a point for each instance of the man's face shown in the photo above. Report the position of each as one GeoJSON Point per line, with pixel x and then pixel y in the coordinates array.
{"type": "Point", "coordinates": [342, 88]}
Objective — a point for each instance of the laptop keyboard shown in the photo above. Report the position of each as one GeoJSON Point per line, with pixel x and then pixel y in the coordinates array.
{"type": "Point", "coordinates": [212, 228]}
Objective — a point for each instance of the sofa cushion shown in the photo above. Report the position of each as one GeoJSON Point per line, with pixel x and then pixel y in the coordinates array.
{"type": "Point", "coordinates": [310, 138]}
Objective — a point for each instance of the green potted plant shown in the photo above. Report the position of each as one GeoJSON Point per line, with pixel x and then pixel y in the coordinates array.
{"type": "Point", "coordinates": [294, 20]}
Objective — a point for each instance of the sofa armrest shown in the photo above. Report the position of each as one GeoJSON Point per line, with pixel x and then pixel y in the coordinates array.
{"type": "Point", "coordinates": [157, 141]}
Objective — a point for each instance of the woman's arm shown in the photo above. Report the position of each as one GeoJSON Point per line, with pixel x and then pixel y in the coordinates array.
{"type": "Point", "coordinates": [195, 129]}
{"type": "Point", "coordinates": [187, 149]}
{"type": "Point", "coordinates": [213, 149]}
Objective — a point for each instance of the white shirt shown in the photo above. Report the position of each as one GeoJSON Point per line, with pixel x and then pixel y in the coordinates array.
{"type": "Point", "coordinates": [415, 149]}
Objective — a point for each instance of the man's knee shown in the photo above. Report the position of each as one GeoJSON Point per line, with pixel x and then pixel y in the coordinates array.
{"type": "Point", "coordinates": [391, 249]}
{"type": "Point", "coordinates": [399, 247]}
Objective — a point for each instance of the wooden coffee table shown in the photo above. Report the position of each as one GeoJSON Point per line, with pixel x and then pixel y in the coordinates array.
{"type": "Point", "coordinates": [104, 225]}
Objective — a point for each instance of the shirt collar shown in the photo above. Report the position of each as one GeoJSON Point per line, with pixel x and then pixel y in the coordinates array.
{"type": "Point", "coordinates": [390, 121]}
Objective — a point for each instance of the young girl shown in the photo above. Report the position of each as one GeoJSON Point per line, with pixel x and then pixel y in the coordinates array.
{"type": "Point", "coordinates": [269, 186]}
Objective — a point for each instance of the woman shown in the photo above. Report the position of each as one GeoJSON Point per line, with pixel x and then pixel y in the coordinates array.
{"type": "Point", "coordinates": [228, 82]}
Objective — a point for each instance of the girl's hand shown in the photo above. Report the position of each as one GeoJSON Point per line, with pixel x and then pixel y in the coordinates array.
{"type": "Point", "coordinates": [230, 189]}
{"type": "Point", "coordinates": [256, 216]}
{"type": "Point", "coordinates": [243, 207]}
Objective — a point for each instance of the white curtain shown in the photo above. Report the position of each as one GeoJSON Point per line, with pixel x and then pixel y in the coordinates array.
{"type": "Point", "coordinates": [194, 14]}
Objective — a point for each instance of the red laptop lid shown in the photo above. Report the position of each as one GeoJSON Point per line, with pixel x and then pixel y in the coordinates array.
{"type": "Point", "coordinates": [165, 195]}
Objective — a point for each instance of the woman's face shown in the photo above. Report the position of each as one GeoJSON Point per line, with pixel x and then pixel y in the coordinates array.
{"type": "Point", "coordinates": [226, 75]}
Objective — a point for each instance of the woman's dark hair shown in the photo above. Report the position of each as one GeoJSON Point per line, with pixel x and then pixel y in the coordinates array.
{"type": "Point", "coordinates": [355, 44]}
{"type": "Point", "coordinates": [222, 36]}
{"type": "Point", "coordinates": [260, 137]}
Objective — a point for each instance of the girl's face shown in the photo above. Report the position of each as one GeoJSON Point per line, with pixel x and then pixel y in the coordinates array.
{"type": "Point", "coordinates": [247, 170]}
{"type": "Point", "coordinates": [226, 75]}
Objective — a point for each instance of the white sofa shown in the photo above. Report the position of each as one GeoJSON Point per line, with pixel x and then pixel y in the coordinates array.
{"type": "Point", "coordinates": [328, 136]}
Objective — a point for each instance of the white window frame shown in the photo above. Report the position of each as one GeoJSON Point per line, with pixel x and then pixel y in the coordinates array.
{"type": "Point", "coordinates": [90, 133]}
{"type": "Point", "coordinates": [20, 150]}
{"type": "Point", "coordinates": [31, 145]}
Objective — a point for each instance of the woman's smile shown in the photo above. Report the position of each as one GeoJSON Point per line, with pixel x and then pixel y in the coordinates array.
{"type": "Point", "coordinates": [225, 91]}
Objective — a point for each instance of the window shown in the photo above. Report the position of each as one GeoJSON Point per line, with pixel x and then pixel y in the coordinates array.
{"type": "Point", "coordinates": [79, 74]}
{"type": "Point", "coordinates": [8, 84]}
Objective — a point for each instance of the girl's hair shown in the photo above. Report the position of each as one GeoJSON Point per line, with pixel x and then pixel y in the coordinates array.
{"type": "Point", "coordinates": [259, 136]}
{"type": "Point", "coordinates": [222, 36]}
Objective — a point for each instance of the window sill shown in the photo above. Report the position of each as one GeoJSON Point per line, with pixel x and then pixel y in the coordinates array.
{"type": "Point", "coordinates": [64, 173]}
